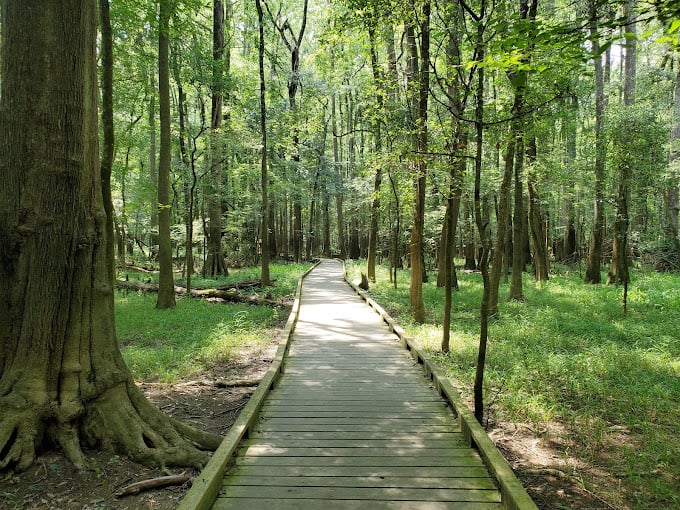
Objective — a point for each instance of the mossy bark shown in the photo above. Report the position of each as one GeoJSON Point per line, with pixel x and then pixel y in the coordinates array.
{"type": "Point", "coordinates": [62, 378]}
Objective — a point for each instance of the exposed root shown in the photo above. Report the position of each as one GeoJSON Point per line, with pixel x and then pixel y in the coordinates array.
{"type": "Point", "coordinates": [125, 421]}
{"type": "Point", "coordinates": [120, 420]}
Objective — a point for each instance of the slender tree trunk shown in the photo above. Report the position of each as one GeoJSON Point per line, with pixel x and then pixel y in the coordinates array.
{"type": "Point", "coordinates": [618, 269]}
{"type": "Point", "coordinates": [419, 80]}
{"type": "Point", "coordinates": [342, 245]}
{"type": "Point", "coordinates": [375, 203]}
{"type": "Point", "coordinates": [166, 284]}
{"type": "Point", "coordinates": [482, 222]}
{"type": "Point", "coordinates": [265, 279]}
{"type": "Point", "coordinates": [153, 169]}
{"type": "Point", "coordinates": [516, 291]}
{"type": "Point", "coordinates": [593, 274]}
{"type": "Point", "coordinates": [537, 219]}
{"type": "Point", "coordinates": [215, 263]}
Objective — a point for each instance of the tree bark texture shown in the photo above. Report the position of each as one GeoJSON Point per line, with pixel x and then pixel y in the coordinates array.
{"type": "Point", "coordinates": [166, 284]}
{"type": "Point", "coordinates": [375, 202]}
{"type": "Point", "coordinates": [672, 200]}
{"type": "Point", "coordinates": [594, 262]}
{"type": "Point", "coordinates": [419, 82]}
{"type": "Point", "coordinates": [62, 378]}
{"type": "Point", "coordinates": [618, 269]}
{"type": "Point", "coordinates": [215, 264]}
{"type": "Point", "coordinates": [264, 178]}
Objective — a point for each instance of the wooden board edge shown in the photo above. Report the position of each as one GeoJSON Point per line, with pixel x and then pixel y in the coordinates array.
{"type": "Point", "coordinates": [513, 494]}
{"type": "Point", "coordinates": [207, 485]}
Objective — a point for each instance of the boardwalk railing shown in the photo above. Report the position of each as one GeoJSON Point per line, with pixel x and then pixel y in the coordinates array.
{"type": "Point", "coordinates": [513, 494]}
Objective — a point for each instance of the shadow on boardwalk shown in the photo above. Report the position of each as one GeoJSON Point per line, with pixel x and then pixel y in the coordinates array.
{"type": "Point", "coordinates": [352, 422]}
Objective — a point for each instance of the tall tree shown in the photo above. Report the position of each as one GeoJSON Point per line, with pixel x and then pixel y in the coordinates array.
{"type": "Point", "coordinates": [62, 378]}
{"type": "Point", "coordinates": [457, 92]}
{"type": "Point", "coordinates": [672, 196]}
{"type": "Point", "coordinates": [264, 235]}
{"type": "Point", "coordinates": [215, 264]}
{"type": "Point", "coordinates": [597, 233]}
{"type": "Point", "coordinates": [618, 269]}
{"type": "Point", "coordinates": [293, 43]}
{"type": "Point", "coordinates": [166, 284]}
{"type": "Point", "coordinates": [379, 101]}
{"type": "Point", "coordinates": [419, 82]}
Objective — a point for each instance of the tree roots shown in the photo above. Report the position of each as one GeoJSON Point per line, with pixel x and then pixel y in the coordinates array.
{"type": "Point", "coordinates": [121, 419]}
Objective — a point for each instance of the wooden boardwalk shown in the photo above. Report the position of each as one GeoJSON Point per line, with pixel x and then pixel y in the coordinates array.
{"type": "Point", "coordinates": [352, 422]}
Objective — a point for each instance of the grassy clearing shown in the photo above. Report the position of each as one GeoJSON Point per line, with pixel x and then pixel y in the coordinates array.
{"type": "Point", "coordinates": [567, 355]}
{"type": "Point", "coordinates": [170, 345]}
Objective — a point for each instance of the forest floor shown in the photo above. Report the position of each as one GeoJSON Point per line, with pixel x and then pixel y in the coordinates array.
{"type": "Point", "coordinates": [53, 484]}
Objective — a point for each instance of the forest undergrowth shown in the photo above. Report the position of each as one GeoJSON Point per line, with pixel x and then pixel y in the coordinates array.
{"type": "Point", "coordinates": [597, 390]}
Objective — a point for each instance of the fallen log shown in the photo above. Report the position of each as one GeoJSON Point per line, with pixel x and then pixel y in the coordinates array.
{"type": "Point", "coordinates": [231, 295]}
{"type": "Point", "coordinates": [153, 483]}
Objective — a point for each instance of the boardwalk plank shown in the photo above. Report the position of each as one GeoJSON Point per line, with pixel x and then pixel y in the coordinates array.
{"type": "Point", "coordinates": [346, 504]}
{"type": "Point", "coordinates": [319, 463]}
{"type": "Point", "coordinates": [366, 494]}
{"type": "Point", "coordinates": [378, 482]}
{"type": "Point", "coordinates": [364, 471]}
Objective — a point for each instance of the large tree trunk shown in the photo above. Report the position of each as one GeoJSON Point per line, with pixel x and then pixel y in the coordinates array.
{"type": "Point", "coordinates": [62, 378]}
{"type": "Point", "coordinates": [457, 94]}
{"type": "Point", "coordinates": [166, 284]}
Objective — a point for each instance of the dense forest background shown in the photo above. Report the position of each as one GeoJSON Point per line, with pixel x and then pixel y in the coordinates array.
{"type": "Point", "coordinates": [554, 123]}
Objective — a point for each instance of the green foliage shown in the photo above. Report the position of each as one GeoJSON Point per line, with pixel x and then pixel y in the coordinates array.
{"type": "Point", "coordinates": [566, 356]}
{"type": "Point", "coordinates": [169, 345]}
{"type": "Point", "coordinates": [162, 345]}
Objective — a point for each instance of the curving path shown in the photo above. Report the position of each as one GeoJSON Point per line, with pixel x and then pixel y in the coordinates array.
{"type": "Point", "coordinates": [353, 422]}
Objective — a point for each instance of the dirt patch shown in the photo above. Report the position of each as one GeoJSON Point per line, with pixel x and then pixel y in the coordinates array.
{"type": "Point", "coordinates": [553, 478]}
{"type": "Point", "coordinates": [211, 403]}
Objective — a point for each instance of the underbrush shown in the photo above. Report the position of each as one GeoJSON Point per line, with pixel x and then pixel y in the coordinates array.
{"type": "Point", "coordinates": [169, 345]}
{"type": "Point", "coordinates": [568, 356]}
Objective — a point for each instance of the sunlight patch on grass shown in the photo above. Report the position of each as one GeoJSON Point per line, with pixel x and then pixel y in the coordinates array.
{"type": "Point", "coordinates": [166, 345]}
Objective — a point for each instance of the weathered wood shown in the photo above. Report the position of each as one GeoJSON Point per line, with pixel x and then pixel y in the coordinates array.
{"type": "Point", "coordinates": [363, 471]}
{"type": "Point", "coordinates": [345, 504]}
{"type": "Point", "coordinates": [378, 482]}
{"type": "Point", "coordinates": [367, 494]}
{"type": "Point", "coordinates": [152, 483]}
{"type": "Point", "coordinates": [321, 463]}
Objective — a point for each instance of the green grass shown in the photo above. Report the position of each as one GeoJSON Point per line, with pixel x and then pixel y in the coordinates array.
{"type": "Point", "coordinates": [284, 277]}
{"type": "Point", "coordinates": [175, 344]}
{"type": "Point", "coordinates": [567, 355]}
